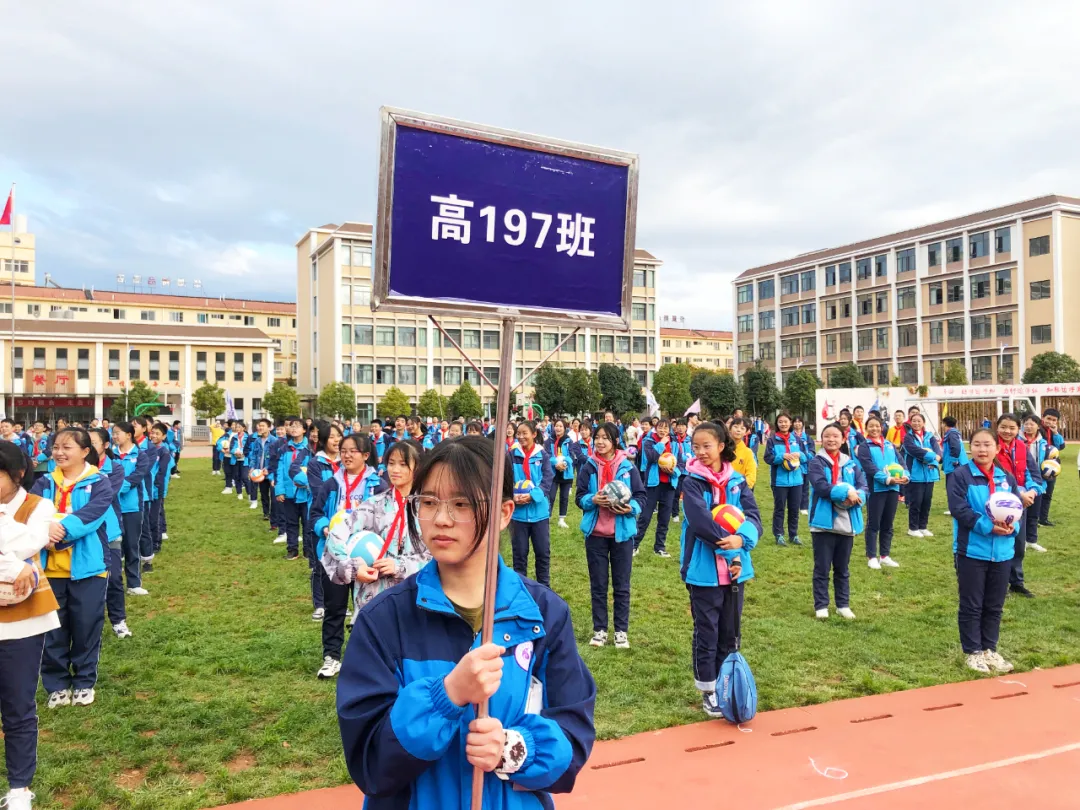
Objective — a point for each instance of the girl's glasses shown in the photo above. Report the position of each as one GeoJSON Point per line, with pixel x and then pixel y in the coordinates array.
{"type": "Point", "coordinates": [459, 510]}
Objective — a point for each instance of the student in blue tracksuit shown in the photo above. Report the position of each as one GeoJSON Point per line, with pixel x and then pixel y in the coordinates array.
{"type": "Point", "coordinates": [660, 484]}
{"type": "Point", "coordinates": [258, 462]}
{"type": "Point", "coordinates": [1015, 458]}
{"type": "Point", "coordinates": [583, 447]}
{"type": "Point", "coordinates": [380, 443]}
{"type": "Point", "coordinates": [414, 665]}
{"type": "Point", "coordinates": [290, 485]}
{"type": "Point", "coordinates": [141, 426]}
{"type": "Point", "coordinates": [176, 441]}
{"type": "Point", "coordinates": [711, 557]}
{"type": "Point", "coordinates": [131, 497]}
{"type": "Point", "coordinates": [76, 567]}
{"type": "Point", "coordinates": [922, 454]}
{"type": "Point", "coordinates": [1051, 419]}
{"type": "Point", "coordinates": [852, 437]}
{"type": "Point", "coordinates": [806, 444]}
{"type": "Point", "coordinates": [234, 453]}
{"type": "Point", "coordinates": [1039, 450]}
{"type": "Point", "coordinates": [983, 550]}
{"type": "Point", "coordinates": [161, 472]}
{"type": "Point", "coordinates": [609, 531]}
{"type": "Point", "coordinates": [953, 453]}
{"type": "Point", "coordinates": [837, 494]}
{"type": "Point", "coordinates": [110, 467]}
{"type": "Point", "coordinates": [321, 467]}
{"type": "Point", "coordinates": [40, 449]}
{"type": "Point", "coordinates": [274, 447]}
{"type": "Point", "coordinates": [560, 449]}
{"type": "Point", "coordinates": [531, 522]}
{"type": "Point", "coordinates": [875, 455]}
{"type": "Point", "coordinates": [787, 464]}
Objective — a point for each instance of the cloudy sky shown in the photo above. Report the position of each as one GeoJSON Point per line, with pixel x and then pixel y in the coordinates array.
{"type": "Point", "coordinates": [203, 142]}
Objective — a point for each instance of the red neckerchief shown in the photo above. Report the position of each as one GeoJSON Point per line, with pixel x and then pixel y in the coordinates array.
{"type": "Point", "coordinates": [787, 440]}
{"type": "Point", "coordinates": [607, 468]}
{"type": "Point", "coordinates": [65, 495]}
{"type": "Point", "coordinates": [350, 487]}
{"type": "Point", "coordinates": [525, 463]}
{"type": "Point", "coordinates": [1031, 442]}
{"type": "Point", "coordinates": [1049, 437]}
{"type": "Point", "coordinates": [919, 435]}
{"type": "Point", "coordinates": [398, 525]}
{"type": "Point", "coordinates": [880, 442]}
{"type": "Point", "coordinates": [989, 473]}
{"type": "Point", "coordinates": [1017, 466]}
{"type": "Point", "coordinates": [746, 439]}
{"type": "Point", "coordinates": [334, 465]}
{"type": "Point", "coordinates": [845, 432]}
{"type": "Point", "coordinates": [835, 466]}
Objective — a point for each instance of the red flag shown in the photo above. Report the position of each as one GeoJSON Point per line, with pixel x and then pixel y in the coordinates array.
{"type": "Point", "coordinates": [5, 218]}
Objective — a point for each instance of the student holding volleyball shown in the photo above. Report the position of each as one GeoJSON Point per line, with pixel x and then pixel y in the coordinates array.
{"type": "Point", "coordinates": [1015, 458]}
{"type": "Point", "coordinates": [922, 455]}
{"type": "Point", "coordinates": [533, 474]}
{"type": "Point", "coordinates": [885, 474]}
{"type": "Point", "coordinates": [787, 463]}
{"type": "Point", "coordinates": [1039, 449]}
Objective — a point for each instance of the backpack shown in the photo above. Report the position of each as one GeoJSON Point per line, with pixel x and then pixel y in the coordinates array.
{"type": "Point", "coordinates": [736, 689]}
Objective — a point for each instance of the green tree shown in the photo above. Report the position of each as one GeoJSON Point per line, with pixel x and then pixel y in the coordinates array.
{"type": "Point", "coordinates": [582, 392]}
{"type": "Point", "coordinates": [549, 388]}
{"type": "Point", "coordinates": [671, 387]}
{"type": "Point", "coordinates": [337, 399]}
{"type": "Point", "coordinates": [800, 392]}
{"type": "Point", "coordinates": [465, 402]}
{"type": "Point", "coordinates": [953, 372]}
{"type": "Point", "coordinates": [1052, 367]}
{"type": "Point", "coordinates": [720, 394]}
{"type": "Point", "coordinates": [620, 392]}
{"type": "Point", "coordinates": [760, 391]}
{"type": "Point", "coordinates": [847, 376]}
{"type": "Point", "coordinates": [699, 378]}
{"type": "Point", "coordinates": [209, 400]}
{"type": "Point", "coordinates": [393, 404]}
{"type": "Point", "coordinates": [124, 405]}
{"type": "Point", "coordinates": [281, 401]}
{"type": "Point", "coordinates": [432, 404]}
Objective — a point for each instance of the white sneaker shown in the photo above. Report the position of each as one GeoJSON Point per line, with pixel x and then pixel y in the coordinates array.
{"type": "Point", "coordinates": [1036, 547]}
{"type": "Point", "coordinates": [281, 538]}
{"type": "Point", "coordinates": [996, 662]}
{"type": "Point", "coordinates": [846, 613]}
{"type": "Point", "coordinates": [822, 614]}
{"type": "Point", "coordinates": [599, 638]}
{"type": "Point", "coordinates": [140, 591]}
{"type": "Point", "coordinates": [82, 697]}
{"type": "Point", "coordinates": [318, 614]}
{"type": "Point", "coordinates": [873, 563]}
{"type": "Point", "coordinates": [227, 491]}
{"type": "Point", "coordinates": [330, 668]}
{"type": "Point", "coordinates": [927, 533]}
{"type": "Point", "coordinates": [977, 662]}
{"type": "Point", "coordinates": [175, 475]}
{"type": "Point", "coordinates": [947, 513]}
{"type": "Point", "coordinates": [122, 630]}
{"type": "Point", "coordinates": [21, 799]}
{"type": "Point", "coordinates": [914, 533]}
{"type": "Point", "coordinates": [164, 535]}
{"type": "Point", "coordinates": [676, 518]}
{"type": "Point", "coordinates": [890, 562]}
{"type": "Point", "coordinates": [240, 496]}
{"type": "Point", "coordinates": [254, 505]}
{"type": "Point", "coordinates": [61, 698]}
{"type": "Point", "coordinates": [635, 552]}
{"type": "Point", "coordinates": [804, 512]}
{"type": "Point", "coordinates": [563, 524]}
{"type": "Point", "coordinates": [621, 641]}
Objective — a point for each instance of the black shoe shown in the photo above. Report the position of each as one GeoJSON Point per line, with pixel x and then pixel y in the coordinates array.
{"type": "Point", "coordinates": [1020, 589]}
{"type": "Point", "coordinates": [1047, 523]}
{"type": "Point", "coordinates": [292, 556]}
{"type": "Point", "coordinates": [148, 568]}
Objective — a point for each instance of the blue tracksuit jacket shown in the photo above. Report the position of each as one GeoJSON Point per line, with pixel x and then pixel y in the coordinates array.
{"type": "Point", "coordinates": [652, 449]}
{"type": "Point", "coordinates": [953, 453]}
{"type": "Point", "coordinates": [922, 456]}
{"type": "Point", "coordinates": [541, 473]}
{"type": "Point", "coordinates": [136, 470]}
{"type": "Point", "coordinates": [588, 479]}
{"type": "Point", "coordinates": [700, 533]}
{"type": "Point", "coordinates": [328, 501]}
{"type": "Point", "coordinates": [774, 457]}
{"type": "Point", "coordinates": [91, 502]}
{"type": "Point", "coordinates": [290, 480]}
{"type": "Point", "coordinates": [973, 536]}
{"type": "Point", "coordinates": [874, 459]}
{"type": "Point", "coordinates": [565, 449]}
{"type": "Point", "coordinates": [825, 512]}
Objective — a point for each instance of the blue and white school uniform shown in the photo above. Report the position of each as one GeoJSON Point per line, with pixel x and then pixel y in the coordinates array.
{"type": "Point", "coordinates": [115, 596]}
{"type": "Point", "coordinates": [291, 483]}
{"type": "Point", "coordinates": [786, 484]}
{"type": "Point", "coordinates": [660, 487]}
{"type": "Point", "coordinates": [884, 497]}
{"type": "Point", "coordinates": [561, 480]}
{"type": "Point", "coordinates": [130, 498]}
{"type": "Point", "coordinates": [922, 454]}
{"type": "Point", "coordinates": [1057, 441]}
{"type": "Point", "coordinates": [833, 524]}
{"type": "Point", "coordinates": [1038, 451]}
{"type": "Point", "coordinates": [953, 453]}
{"type": "Point", "coordinates": [320, 469]}
{"type": "Point", "coordinates": [1018, 461]}
{"type": "Point", "coordinates": [530, 522]}
{"type": "Point", "coordinates": [806, 444]}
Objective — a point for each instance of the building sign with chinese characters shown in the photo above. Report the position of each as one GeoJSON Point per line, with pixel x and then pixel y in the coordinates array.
{"type": "Point", "coordinates": [478, 220]}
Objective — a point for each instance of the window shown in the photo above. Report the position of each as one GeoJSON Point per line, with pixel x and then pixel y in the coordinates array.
{"type": "Point", "coordinates": [406, 375]}
{"type": "Point", "coordinates": [346, 373]}
{"type": "Point", "coordinates": [1004, 326]}
{"type": "Point", "coordinates": [956, 330]}
{"type": "Point", "coordinates": [239, 404]}
{"type": "Point", "coordinates": [767, 351]}
{"type": "Point", "coordinates": [363, 334]}
{"type": "Point", "coordinates": [1003, 282]}
{"type": "Point", "coordinates": [982, 369]}
{"type": "Point", "coordinates": [200, 317]}
{"type": "Point", "coordinates": [807, 280]}
{"type": "Point", "coordinates": [936, 294]}
{"type": "Point", "coordinates": [1003, 240]}
{"type": "Point", "coordinates": [384, 374]}
{"type": "Point", "coordinates": [1005, 368]}
{"type": "Point", "coordinates": [83, 364]}
{"type": "Point", "coordinates": [789, 284]}
{"type": "Point", "coordinates": [637, 312]}
{"type": "Point", "coordinates": [956, 290]}
{"type": "Point", "coordinates": [421, 375]}
{"type": "Point", "coordinates": [147, 315]}
{"type": "Point", "coordinates": [979, 245]}
{"type": "Point", "coordinates": [219, 366]}
{"type": "Point", "coordinates": [361, 256]}
{"type": "Point", "coordinates": [845, 308]}
{"type": "Point", "coordinates": [909, 373]}
{"type": "Point", "coordinates": [980, 327]}
{"type": "Point", "coordinates": [238, 367]}
{"type": "Point", "coordinates": [881, 301]}
{"type": "Point", "coordinates": [746, 293]}
{"type": "Point", "coordinates": [134, 363]}
{"type": "Point", "coordinates": [361, 295]}
{"type": "Point", "coordinates": [406, 336]}
{"type": "Point", "coordinates": [639, 278]}
{"type": "Point", "coordinates": [1039, 246]}
{"type": "Point", "coordinates": [746, 353]}
{"type": "Point", "coordinates": [881, 266]}
{"type": "Point", "coordinates": [273, 323]}
{"type": "Point", "coordinates": [980, 286]}
{"type": "Point", "coordinates": [937, 333]}
{"type": "Point", "coordinates": [830, 310]}
{"type": "Point", "coordinates": [789, 349]}
{"type": "Point", "coordinates": [1040, 334]}
{"type": "Point", "coordinates": [651, 314]}
{"type": "Point", "coordinates": [883, 337]}
{"type": "Point", "coordinates": [937, 370]}
{"type": "Point", "coordinates": [200, 365]}
{"type": "Point", "coordinates": [174, 366]}
{"type": "Point", "coordinates": [346, 334]}
{"type": "Point", "coordinates": [365, 374]}
{"type": "Point", "coordinates": [883, 370]}
{"type": "Point", "coordinates": [845, 272]}
{"type": "Point", "coordinates": [789, 316]}
{"type": "Point", "coordinates": [862, 269]}
{"type": "Point", "coordinates": [452, 375]}
{"type": "Point", "coordinates": [1040, 290]}
{"type": "Point", "coordinates": [279, 368]}
{"type": "Point", "coordinates": [550, 341]}
{"type": "Point", "coordinates": [155, 366]}
{"type": "Point", "coordinates": [256, 367]}
{"type": "Point", "coordinates": [766, 320]}
{"type": "Point", "coordinates": [866, 339]}
{"type": "Point", "coordinates": [61, 359]}
{"type": "Point", "coordinates": [809, 347]}
{"type": "Point", "coordinates": [249, 320]}
{"type": "Point", "coordinates": [532, 341]}
{"type": "Point", "coordinates": [607, 344]}
{"type": "Point", "coordinates": [845, 343]}
{"type": "Point", "coordinates": [809, 313]}
{"type": "Point", "coordinates": [830, 276]}
{"type": "Point", "coordinates": [641, 377]}
{"type": "Point", "coordinates": [905, 299]}
{"type": "Point", "coordinates": [176, 317]}
{"type": "Point", "coordinates": [114, 364]}
{"type": "Point", "coordinates": [907, 335]}
{"type": "Point", "coordinates": [766, 289]}
{"type": "Point", "coordinates": [33, 309]}
{"type": "Point", "coordinates": [953, 250]}
{"type": "Point", "coordinates": [746, 324]}
{"type": "Point", "coordinates": [491, 340]}
{"type": "Point", "coordinates": [905, 260]}
{"type": "Point", "coordinates": [866, 304]}
{"type": "Point", "coordinates": [384, 336]}
{"type": "Point", "coordinates": [622, 344]}
{"type": "Point", "coordinates": [640, 345]}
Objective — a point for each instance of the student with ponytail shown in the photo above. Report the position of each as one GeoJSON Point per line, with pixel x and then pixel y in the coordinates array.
{"type": "Point", "coordinates": [1015, 458]}
{"type": "Point", "coordinates": [876, 455]}
{"type": "Point", "coordinates": [787, 465]}
{"type": "Point", "coordinates": [531, 522]}
{"type": "Point", "coordinates": [922, 454]}
{"type": "Point", "coordinates": [560, 448]}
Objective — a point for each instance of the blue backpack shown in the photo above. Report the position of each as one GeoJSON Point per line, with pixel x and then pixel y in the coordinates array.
{"type": "Point", "coordinates": [736, 689]}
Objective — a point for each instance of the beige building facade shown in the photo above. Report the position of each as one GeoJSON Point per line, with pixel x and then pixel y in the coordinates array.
{"type": "Point", "coordinates": [23, 259]}
{"type": "Point", "coordinates": [987, 289]}
{"type": "Point", "coordinates": [705, 348]}
{"type": "Point", "coordinates": [341, 339]}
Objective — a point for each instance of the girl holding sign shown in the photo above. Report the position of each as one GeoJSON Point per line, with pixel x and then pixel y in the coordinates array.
{"type": "Point", "coordinates": [414, 665]}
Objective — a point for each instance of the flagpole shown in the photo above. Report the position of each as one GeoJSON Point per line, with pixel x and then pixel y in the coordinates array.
{"type": "Point", "coordinates": [12, 353]}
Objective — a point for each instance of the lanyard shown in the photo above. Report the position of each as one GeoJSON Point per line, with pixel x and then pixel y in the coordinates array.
{"type": "Point", "coordinates": [397, 526]}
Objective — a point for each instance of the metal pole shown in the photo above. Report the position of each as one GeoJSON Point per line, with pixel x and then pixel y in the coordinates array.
{"type": "Point", "coordinates": [461, 351]}
{"type": "Point", "coordinates": [491, 580]}
{"type": "Point", "coordinates": [550, 355]}
{"type": "Point", "coordinates": [11, 415]}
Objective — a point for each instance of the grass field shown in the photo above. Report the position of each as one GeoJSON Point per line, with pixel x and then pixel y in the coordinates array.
{"type": "Point", "coordinates": [215, 699]}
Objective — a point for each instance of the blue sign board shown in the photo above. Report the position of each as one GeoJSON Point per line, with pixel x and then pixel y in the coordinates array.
{"type": "Point", "coordinates": [482, 221]}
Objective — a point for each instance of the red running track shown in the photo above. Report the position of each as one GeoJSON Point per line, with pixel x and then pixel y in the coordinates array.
{"type": "Point", "coordinates": [1006, 742]}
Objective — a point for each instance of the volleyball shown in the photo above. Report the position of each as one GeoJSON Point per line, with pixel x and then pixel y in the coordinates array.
{"type": "Point", "coordinates": [560, 462]}
{"type": "Point", "coordinates": [895, 470]}
{"type": "Point", "coordinates": [7, 591]}
{"type": "Point", "coordinates": [337, 538]}
{"type": "Point", "coordinates": [728, 517]}
{"type": "Point", "coordinates": [256, 476]}
{"type": "Point", "coordinates": [523, 487]}
{"type": "Point", "coordinates": [1004, 507]}
{"type": "Point", "coordinates": [366, 546]}
{"type": "Point", "coordinates": [617, 493]}
{"type": "Point", "coordinates": [1050, 468]}
{"type": "Point", "coordinates": [666, 462]}
{"type": "Point", "coordinates": [1052, 453]}
{"type": "Point", "coordinates": [791, 464]}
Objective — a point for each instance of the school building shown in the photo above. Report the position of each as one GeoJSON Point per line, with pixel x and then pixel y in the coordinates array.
{"type": "Point", "coordinates": [704, 348]}
{"type": "Point", "coordinates": [341, 339]}
{"type": "Point", "coordinates": [987, 289]}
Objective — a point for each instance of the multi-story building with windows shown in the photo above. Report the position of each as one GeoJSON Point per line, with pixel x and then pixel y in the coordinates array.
{"type": "Point", "coordinates": [21, 260]}
{"type": "Point", "coordinates": [705, 348]}
{"type": "Point", "coordinates": [987, 289]}
{"type": "Point", "coordinates": [341, 339]}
